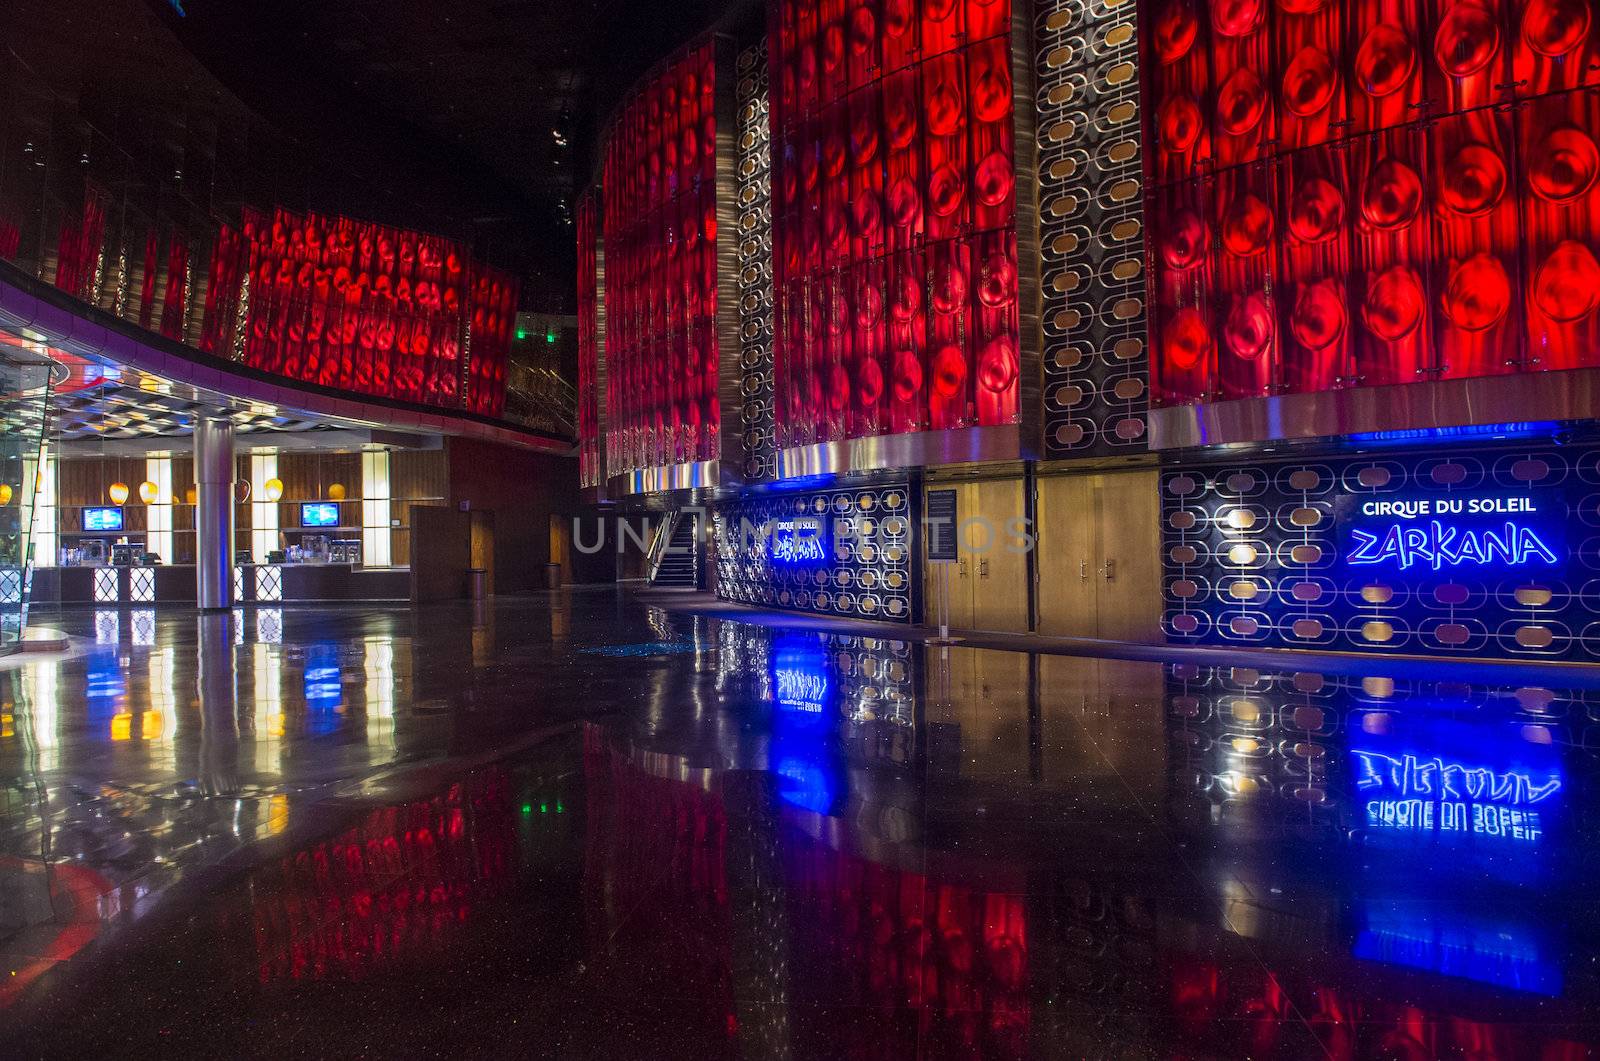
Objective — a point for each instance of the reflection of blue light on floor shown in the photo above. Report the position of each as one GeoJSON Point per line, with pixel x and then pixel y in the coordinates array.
{"type": "Point", "coordinates": [104, 677]}
{"type": "Point", "coordinates": [805, 784]}
{"type": "Point", "coordinates": [644, 648]}
{"type": "Point", "coordinates": [1500, 954]}
{"type": "Point", "coordinates": [324, 688]}
{"type": "Point", "coordinates": [1454, 800]}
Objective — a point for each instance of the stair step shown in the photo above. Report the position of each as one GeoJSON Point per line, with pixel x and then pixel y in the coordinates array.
{"type": "Point", "coordinates": [678, 566]}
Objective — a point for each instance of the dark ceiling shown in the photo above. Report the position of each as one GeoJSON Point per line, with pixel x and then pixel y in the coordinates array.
{"type": "Point", "coordinates": [469, 91]}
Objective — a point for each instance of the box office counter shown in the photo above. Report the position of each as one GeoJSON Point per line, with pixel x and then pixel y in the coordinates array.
{"type": "Point", "coordinates": [258, 583]}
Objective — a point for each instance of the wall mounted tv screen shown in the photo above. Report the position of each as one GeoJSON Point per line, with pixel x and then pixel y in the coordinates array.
{"type": "Point", "coordinates": [102, 519]}
{"type": "Point", "coordinates": [319, 514]}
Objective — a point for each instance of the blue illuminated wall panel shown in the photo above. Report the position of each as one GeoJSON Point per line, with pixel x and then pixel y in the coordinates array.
{"type": "Point", "coordinates": [1494, 552]}
{"type": "Point", "coordinates": [837, 552]}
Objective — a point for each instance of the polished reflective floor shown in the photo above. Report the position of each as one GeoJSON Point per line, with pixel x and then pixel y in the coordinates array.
{"type": "Point", "coordinates": [588, 826]}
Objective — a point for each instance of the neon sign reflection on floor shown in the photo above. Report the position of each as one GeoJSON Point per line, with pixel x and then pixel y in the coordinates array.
{"type": "Point", "coordinates": [801, 689]}
{"type": "Point", "coordinates": [1435, 794]}
{"type": "Point", "coordinates": [800, 679]}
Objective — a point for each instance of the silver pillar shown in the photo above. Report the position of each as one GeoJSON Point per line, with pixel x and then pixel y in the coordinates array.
{"type": "Point", "coordinates": [219, 705]}
{"type": "Point", "coordinates": [213, 511]}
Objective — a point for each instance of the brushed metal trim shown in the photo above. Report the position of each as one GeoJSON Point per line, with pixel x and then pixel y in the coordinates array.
{"type": "Point", "coordinates": [1030, 285]}
{"type": "Point", "coordinates": [694, 476]}
{"type": "Point", "coordinates": [909, 450]}
{"type": "Point", "coordinates": [730, 399]}
{"type": "Point", "coordinates": [1573, 394]}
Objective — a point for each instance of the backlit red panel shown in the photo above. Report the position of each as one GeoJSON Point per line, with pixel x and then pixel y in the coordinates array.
{"type": "Point", "coordinates": [175, 303]}
{"type": "Point", "coordinates": [1365, 192]}
{"type": "Point", "coordinates": [80, 246]}
{"type": "Point", "coordinates": [361, 307]}
{"type": "Point", "coordinates": [589, 468]}
{"type": "Point", "coordinates": [894, 217]}
{"type": "Point", "coordinates": [660, 226]}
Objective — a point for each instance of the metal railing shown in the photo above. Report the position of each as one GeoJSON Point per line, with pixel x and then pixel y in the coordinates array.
{"type": "Point", "coordinates": [540, 398]}
{"type": "Point", "coordinates": [661, 543]}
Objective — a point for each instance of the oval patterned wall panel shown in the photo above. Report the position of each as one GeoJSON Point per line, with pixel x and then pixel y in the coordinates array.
{"type": "Point", "coordinates": [1504, 561]}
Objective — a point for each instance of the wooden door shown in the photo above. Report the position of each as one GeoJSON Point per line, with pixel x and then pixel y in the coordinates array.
{"type": "Point", "coordinates": [1068, 555]}
{"type": "Point", "coordinates": [1128, 511]}
{"type": "Point", "coordinates": [482, 545]}
{"type": "Point", "coordinates": [999, 566]}
{"type": "Point", "coordinates": [561, 546]}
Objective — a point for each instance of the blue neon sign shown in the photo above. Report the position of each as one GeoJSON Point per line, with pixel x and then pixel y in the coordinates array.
{"type": "Point", "coordinates": [1520, 530]}
{"type": "Point", "coordinates": [799, 541]}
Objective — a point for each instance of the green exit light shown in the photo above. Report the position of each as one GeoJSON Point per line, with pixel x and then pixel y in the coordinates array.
{"type": "Point", "coordinates": [527, 808]}
{"type": "Point", "coordinates": [522, 333]}
{"type": "Point", "coordinates": [550, 337]}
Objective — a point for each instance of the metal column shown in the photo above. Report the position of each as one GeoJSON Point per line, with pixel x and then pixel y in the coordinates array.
{"type": "Point", "coordinates": [213, 513]}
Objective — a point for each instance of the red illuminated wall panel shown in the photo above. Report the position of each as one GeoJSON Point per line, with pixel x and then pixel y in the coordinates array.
{"type": "Point", "coordinates": [894, 217]}
{"type": "Point", "coordinates": [229, 260]}
{"type": "Point", "coordinates": [493, 305]}
{"type": "Point", "coordinates": [660, 228]}
{"type": "Point", "coordinates": [589, 468]}
{"type": "Point", "coordinates": [1364, 192]}
{"type": "Point", "coordinates": [361, 307]}
{"type": "Point", "coordinates": [176, 302]}
{"type": "Point", "coordinates": [80, 246]}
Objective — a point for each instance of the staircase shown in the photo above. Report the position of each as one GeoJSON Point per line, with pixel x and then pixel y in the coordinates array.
{"type": "Point", "coordinates": [679, 565]}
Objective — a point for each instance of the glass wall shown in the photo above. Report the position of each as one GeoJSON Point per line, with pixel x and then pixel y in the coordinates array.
{"type": "Point", "coordinates": [24, 391]}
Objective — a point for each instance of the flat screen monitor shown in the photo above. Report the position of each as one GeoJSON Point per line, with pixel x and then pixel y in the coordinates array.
{"type": "Point", "coordinates": [102, 519]}
{"type": "Point", "coordinates": [319, 514]}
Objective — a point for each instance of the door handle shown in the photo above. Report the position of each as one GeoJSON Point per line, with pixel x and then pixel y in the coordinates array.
{"type": "Point", "coordinates": [961, 568]}
{"type": "Point", "coordinates": [1083, 570]}
{"type": "Point", "coordinates": [1111, 569]}
{"type": "Point", "coordinates": [983, 568]}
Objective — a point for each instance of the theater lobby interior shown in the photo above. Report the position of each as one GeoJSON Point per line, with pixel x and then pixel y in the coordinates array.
{"type": "Point", "coordinates": [800, 529]}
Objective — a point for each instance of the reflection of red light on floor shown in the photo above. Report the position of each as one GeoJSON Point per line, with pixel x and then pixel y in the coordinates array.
{"type": "Point", "coordinates": [75, 895]}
